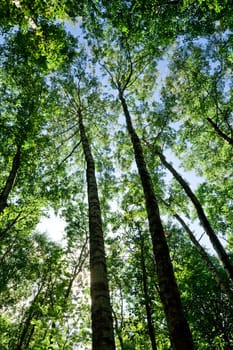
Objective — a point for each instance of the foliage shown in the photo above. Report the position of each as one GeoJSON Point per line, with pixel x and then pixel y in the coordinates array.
{"type": "Point", "coordinates": [173, 62]}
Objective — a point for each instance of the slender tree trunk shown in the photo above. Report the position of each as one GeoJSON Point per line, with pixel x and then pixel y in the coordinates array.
{"type": "Point", "coordinates": [118, 330]}
{"type": "Point", "coordinates": [51, 340]}
{"type": "Point", "coordinates": [102, 321]}
{"type": "Point", "coordinates": [180, 335]}
{"type": "Point", "coordinates": [10, 180]}
{"type": "Point", "coordinates": [219, 132]}
{"type": "Point", "coordinates": [27, 329]}
{"type": "Point", "coordinates": [30, 337]}
{"type": "Point", "coordinates": [221, 283]}
{"type": "Point", "coordinates": [77, 270]}
{"type": "Point", "coordinates": [119, 320]}
{"type": "Point", "coordinates": [202, 217]}
{"type": "Point", "coordinates": [150, 325]}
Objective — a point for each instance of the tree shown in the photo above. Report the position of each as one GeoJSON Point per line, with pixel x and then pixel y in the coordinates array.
{"type": "Point", "coordinates": [178, 327]}
{"type": "Point", "coordinates": [151, 330]}
{"type": "Point", "coordinates": [206, 301]}
{"type": "Point", "coordinates": [57, 119]}
{"type": "Point", "coordinates": [222, 283]}
{"type": "Point", "coordinates": [202, 217]}
{"type": "Point", "coordinates": [102, 324]}
{"type": "Point", "coordinates": [123, 75]}
{"type": "Point", "coordinates": [79, 99]}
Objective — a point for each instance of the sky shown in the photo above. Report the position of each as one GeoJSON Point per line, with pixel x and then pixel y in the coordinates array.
{"type": "Point", "coordinates": [53, 226]}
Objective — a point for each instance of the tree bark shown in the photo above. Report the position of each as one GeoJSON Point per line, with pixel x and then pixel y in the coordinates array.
{"type": "Point", "coordinates": [10, 180]}
{"type": "Point", "coordinates": [101, 311]}
{"type": "Point", "coordinates": [179, 332]}
{"type": "Point", "coordinates": [202, 217]}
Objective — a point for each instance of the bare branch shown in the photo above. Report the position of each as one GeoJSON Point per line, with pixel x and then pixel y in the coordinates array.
{"type": "Point", "coordinates": [70, 154]}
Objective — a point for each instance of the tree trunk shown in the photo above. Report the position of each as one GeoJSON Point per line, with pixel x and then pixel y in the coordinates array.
{"type": "Point", "coordinates": [202, 217]}
{"type": "Point", "coordinates": [27, 329]}
{"type": "Point", "coordinates": [150, 325]}
{"type": "Point", "coordinates": [118, 330]}
{"type": "Point", "coordinates": [180, 335]}
{"type": "Point", "coordinates": [10, 180]}
{"type": "Point", "coordinates": [101, 312]}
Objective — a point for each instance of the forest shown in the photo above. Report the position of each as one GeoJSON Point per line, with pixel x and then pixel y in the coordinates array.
{"type": "Point", "coordinates": [116, 116]}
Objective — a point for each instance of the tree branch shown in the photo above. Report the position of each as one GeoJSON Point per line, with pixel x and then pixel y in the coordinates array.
{"type": "Point", "coordinates": [10, 180]}
{"type": "Point", "coordinates": [220, 132]}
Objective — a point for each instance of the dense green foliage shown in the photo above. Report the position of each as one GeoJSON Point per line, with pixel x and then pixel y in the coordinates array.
{"type": "Point", "coordinates": [172, 61]}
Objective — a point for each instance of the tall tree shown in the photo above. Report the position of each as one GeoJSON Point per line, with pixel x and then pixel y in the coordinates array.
{"type": "Point", "coordinates": [102, 323]}
{"type": "Point", "coordinates": [123, 76]}
{"type": "Point", "coordinates": [151, 329]}
{"type": "Point", "coordinates": [178, 328]}
{"type": "Point", "coordinates": [223, 284]}
{"type": "Point", "coordinates": [202, 217]}
{"type": "Point", "coordinates": [204, 92]}
{"type": "Point", "coordinates": [82, 97]}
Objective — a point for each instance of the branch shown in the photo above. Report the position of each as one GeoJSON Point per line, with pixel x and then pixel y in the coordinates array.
{"type": "Point", "coordinates": [11, 224]}
{"type": "Point", "coordinates": [129, 76]}
{"type": "Point", "coordinates": [77, 268]}
{"type": "Point", "coordinates": [70, 154]}
{"type": "Point", "coordinates": [220, 132]}
{"type": "Point", "coordinates": [10, 180]}
{"type": "Point", "coordinates": [115, 83]}
{"type": "Point", "coordinates": [31, 21]}
{"type": "Point", "coordinates": [68, 138]}
{"type": "Point", "coordinates": [223, 256]}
